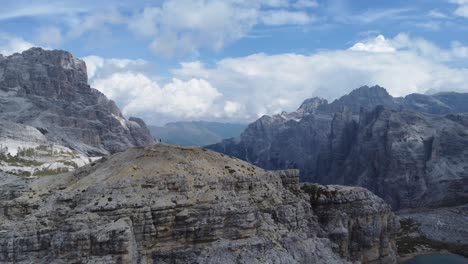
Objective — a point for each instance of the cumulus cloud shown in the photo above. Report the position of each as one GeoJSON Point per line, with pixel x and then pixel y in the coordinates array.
{"type": "Point", "coordinates": [139, 94]}
{"type": "Point", "coordinates": [130, 84]}
{"type": "Point", "coordinates": [10, 44]}
{"type": "Point", "coordinates": [417, 45]}
{"type": "Point", "coordinates": [378, 44]}
{"type": "Point", "coordinates": [232, 108]}
{"type": "Point", "coordinates": [99, 67]}
{"type": "Point", "coordinates": [244, 88]}
{"type": "Point", "coordinates": [267, 84]}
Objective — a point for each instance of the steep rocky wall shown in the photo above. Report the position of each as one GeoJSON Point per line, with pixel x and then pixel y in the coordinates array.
{"type": "Point", "coordinates": [409, 159]}
{"type": "Point", "coordinates": [169, 204]}
{"type": "Point", "coordinates": [48, 89]}
{"type": "Point", "coordinates": [359, 222]}
{"type": "Point", "coordinates": [368, 138]}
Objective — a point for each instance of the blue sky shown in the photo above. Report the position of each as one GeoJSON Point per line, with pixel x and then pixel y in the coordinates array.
{"type": "Point", "coordinates": [235, 60]}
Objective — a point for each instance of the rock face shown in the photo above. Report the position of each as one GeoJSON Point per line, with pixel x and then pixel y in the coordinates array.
{"type": "Point", "coordinates": [25, 151]}
{"type": "Point", "coordinates": [409, 159]}
{"type": "Point", "coordinates": [356, 220]}
{"type": "Point", "coordinates": [49, 90]}
{"type": "Point", "coordinates": [167, 204]}
{"type": "Point", "coordinates": [369, 139]}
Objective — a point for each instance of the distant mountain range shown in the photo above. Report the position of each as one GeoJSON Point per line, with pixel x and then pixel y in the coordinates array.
{"type": "Point", "coordinates": [411, 151]}
{"type": "Point", "coordinates": [196, 133]}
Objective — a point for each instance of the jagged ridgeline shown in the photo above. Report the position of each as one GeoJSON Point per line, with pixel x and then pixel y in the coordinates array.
{"type": "Point", "coordinates": [46, 102]}
{"type": "Point", "coordinates": [411, 151]}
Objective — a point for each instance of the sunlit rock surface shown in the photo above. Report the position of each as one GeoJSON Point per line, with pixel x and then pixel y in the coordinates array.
{"type": "Point", "coordinates": [167, 204]}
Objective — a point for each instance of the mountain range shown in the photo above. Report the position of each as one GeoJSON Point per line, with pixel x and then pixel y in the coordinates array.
{"type": "Point", "coordinates": [411, 151]}
{"type": "Point", "coordinates": [79, 183]}
{"type": "Point", "coordinates": [78, 186]}
{"type": "Point", "coordinates": [196, 133]}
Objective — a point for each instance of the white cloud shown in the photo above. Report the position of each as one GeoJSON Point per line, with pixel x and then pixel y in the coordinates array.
{"type": "Point", "coordinates": [342, 14]}
{"type": "Point", "coordinates": [378, 44]}
{"type": "Point", "coordinates": [266, 84]}
{"type": "Point", "coordinates": [437, 14]}
{"type": "Point", "coordinates": [232, 108]}
{"type": "Point", "coordinates": [16, 9]}
{"type": "Point", "coordinates": [190, 25]}
{"type": "Point", "coordinates": [75, 24]}
{"type": "Point", "coordinates": [244, 88]}
{"type": "Point", "coordinates": [462, 9]}
{"type": "Point", "coordinates": [10, 44]}
{"type": "Point", "coordinates": [146, 22]}
{"type": "Point", "coordinates": [129, 83]}
{"type": "Point", "coordinates": [420, 46]}
{"type": "Point", "coordinates": [99, 68]}
{"type": "Point", "coordinates": [95, 22]}
{"type": "Point", "coordinates": [173, 27]}
{"type": "Point", "coordinates": [283, 17]}
{"type": "Point", "coordinates": [140, 94]}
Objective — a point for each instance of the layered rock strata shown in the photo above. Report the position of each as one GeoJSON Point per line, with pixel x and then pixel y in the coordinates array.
{"type": "Point", "coordinates": [167, 204]}
{"type": "Point", "coordinates": [48, 90]}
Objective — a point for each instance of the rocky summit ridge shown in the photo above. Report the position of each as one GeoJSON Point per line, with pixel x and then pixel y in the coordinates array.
{"type": "Point", "coordinates": [168, 204]}
{"type": "Point", "coordinates": [48, 90]}
{"type": "Point", "coordinates": [411, 151]}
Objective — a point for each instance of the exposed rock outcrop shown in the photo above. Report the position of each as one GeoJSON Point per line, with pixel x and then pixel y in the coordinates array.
{"type": "Point", "coordinates": [370, 139]}
{"type": "Point", "coordinates": [49, 90]}
{"type": "Point", "coordinates": [356, 220]}
{"type": "Point", "coordinates": [167, 204]}
{"type": "Point", "coordinates": [25, 151]}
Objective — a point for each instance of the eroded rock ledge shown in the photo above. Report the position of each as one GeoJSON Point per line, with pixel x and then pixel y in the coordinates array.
{"type": "Point", "coordinates": [167, 204]}
{"type": "Point", "coordinates": [359, 222]}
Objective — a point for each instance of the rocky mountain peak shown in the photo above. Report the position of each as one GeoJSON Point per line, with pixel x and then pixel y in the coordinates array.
{"type": "Point", "coordinates": [60, 58]}
{"type": "Point", "coordinates": [52, 73]}
{"type": "Point", "coordinates": [365, 97]}
{"type": "Point", "coordinates": [372, 91]}
{"type": "Point", "coordinates": [312, 104]}
{"type": "Point", "coordinates": [48, 89]}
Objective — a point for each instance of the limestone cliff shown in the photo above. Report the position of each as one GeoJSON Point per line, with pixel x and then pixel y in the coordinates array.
{"type": "Point", "coordinates": [167, 204]}
{"type": "Point", "coordinates": [410, 151]}
{"type": "Point", "coordinates": [48, 90]}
